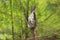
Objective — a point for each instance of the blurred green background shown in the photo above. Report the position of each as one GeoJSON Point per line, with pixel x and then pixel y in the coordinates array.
{"type": "Point", "coordinates": [12, 19]}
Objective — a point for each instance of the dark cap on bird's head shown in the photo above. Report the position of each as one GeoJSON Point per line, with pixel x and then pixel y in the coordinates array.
{"type": "Point", "coordinates": [33, 8]}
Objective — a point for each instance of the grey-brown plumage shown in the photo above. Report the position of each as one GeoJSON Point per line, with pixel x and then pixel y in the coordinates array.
{"type": "Point", "coordinates": [32, 22]}
{"type": "Point", "coordinates": [32, 19]}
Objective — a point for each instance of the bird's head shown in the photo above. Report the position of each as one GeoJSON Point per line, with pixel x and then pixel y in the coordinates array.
{"type": "Point", "coordinates": [33, 9]}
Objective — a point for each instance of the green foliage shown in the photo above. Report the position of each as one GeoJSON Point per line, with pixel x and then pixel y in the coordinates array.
{"type": "Point", "coordinates": [47, 13]}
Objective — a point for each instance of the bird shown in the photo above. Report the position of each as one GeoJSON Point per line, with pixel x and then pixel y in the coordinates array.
{"type": "Point", "coordinates": [32, 21]}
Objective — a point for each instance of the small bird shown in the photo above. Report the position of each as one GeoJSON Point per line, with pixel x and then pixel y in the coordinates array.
{"type": "Point", "coordinates": [32, 19]}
